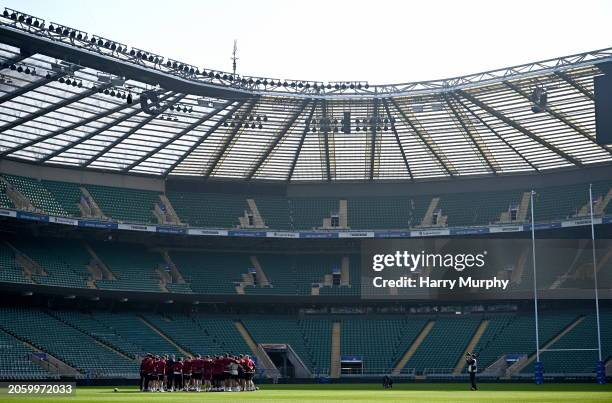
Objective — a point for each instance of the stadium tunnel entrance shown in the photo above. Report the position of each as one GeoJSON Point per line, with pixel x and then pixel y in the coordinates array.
{"type": "Point", "coordinates": [287, 361]}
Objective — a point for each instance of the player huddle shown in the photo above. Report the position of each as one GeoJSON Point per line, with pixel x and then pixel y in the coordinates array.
{"type": "Point", "coordinates": [224, 373]}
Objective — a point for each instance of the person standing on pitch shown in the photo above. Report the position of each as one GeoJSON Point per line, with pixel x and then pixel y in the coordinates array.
{"type": "Point", "coordinates": [470, 359]}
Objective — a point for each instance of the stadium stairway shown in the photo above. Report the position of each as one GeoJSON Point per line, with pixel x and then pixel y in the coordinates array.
{"type": "Point", "coordinates": [107, 274]}
{"type": "Point", "coordinates": [521, 364]}
{"type": "Point", "coordinates": [13, 348]}
{"type": "Point", "coordinates": [427, 220]}
{"type": "Point", "coordinates": [86, 323]}
{"type": "Point", "coordinates": [10, 271]}
{"type": "Point", "coordinates": [342, 217]}
{"type": "Point", "coordinates": [413, 347]}
{"type": "Point", "coordinates": [247, 280]}
{"type": "Point", "coordinates": [75, 348]}
{"type": "Point", "coordinates": [29, 266]}
{"type": "Point", "coordinates": [98, 340]}
{"type": "Point", "coordinates": [164, 336]}
{"type": "Point", "coordinates": [521, 215]}
{"type": "Point", "coordinates": [178, 283]}
{"type": "Point", "coordinates": [451, 332]}
{"type": "Point", "coordinates": [516, 277]}
{"type": "Point", "coordinates": [89, 207]}
{"type": "Point", "coordinates": [257, 220]}
{"type": "Point", "coordinates": [335, 350]}
{"type": "Point", "coordinates": [263, 359]}
{"type": "Point", "coordinates": [471, 346]}
{"type": "Point", "coordinates": [345, 271]}
{"type": "Point", "coordinates": [600, 208]}
{"type": "Point", "coordinates": [262, 279]}
{"type": "Point", "coordinates": [164, 212]}
{"type": "Point", "coordinates": [15, 197]}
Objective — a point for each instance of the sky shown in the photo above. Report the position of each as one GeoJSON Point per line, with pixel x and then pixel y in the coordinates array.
{"type": "Point", "coordinates": [379, 41]}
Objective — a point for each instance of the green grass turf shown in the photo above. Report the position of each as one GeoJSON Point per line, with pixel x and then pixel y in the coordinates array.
{"type": "Point", "coordinates": [354, 393]}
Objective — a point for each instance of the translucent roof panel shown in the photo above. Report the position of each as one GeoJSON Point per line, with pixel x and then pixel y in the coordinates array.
{"type": "Point", "coordinates": [124, 110]}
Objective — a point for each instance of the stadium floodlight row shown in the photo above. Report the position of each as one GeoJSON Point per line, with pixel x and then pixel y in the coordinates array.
{"type": "Point", "coordinates": [71, 99]}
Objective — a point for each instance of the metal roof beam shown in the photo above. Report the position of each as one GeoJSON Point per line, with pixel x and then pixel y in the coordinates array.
{"type": "Point", "coordinates": [98, 58]}
{"type": "Point", "coordinates": [518, 127]}
{"type": "Point", "coordinates": [197, 143]}
{"type": "Point", "coordinates": [219, 155]}
{"type": "Point", "coordinates": [278, 138]}
{"type": "Point", "coordinates": [133, 130]}
{"type": "Point", "coordinates": [325, 127]}
{"type": "Point", "coordinates": [373, 128]}
{"type": "Point", "coordinates": [467, 131]}
{"type": "Point", "coordinates": [30, 87]}
{"type": "Point", "coordinates": [417, 131]}
{"type": "Point", "coordinates": [397, 139]}
{"type": "Point", "coordinates": [177, 136]}
{"type": "Point", "coordinates": [301, 143]}
{"type": "Point", "coordinates": [65, 129]}
{"type": "Point", "coordinates": [485, 124]}
{"type": "Point", "coordinates": [566, 77]}
{"type": "Point", "coordinates": [51, 108]}
{"type": "Point", "coordinates": [92, 134]}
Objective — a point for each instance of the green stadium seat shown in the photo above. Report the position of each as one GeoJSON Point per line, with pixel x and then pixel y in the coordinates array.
{"type": "Point", "coordinates": [64, 262]}
{"type": "Point", "coordinates": [133, 266]}
{"type": "Point", "coordinates": [125, 205]}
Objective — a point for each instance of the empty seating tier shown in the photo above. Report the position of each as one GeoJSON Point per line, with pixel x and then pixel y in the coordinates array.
{"type": "Point", "coordinates": [222, 210]}
{"type": "Point", "coordinates": [73, 347]}
{"type": "Point", "coordinates": [64, 262]}
{"type": "Point", "coordinates": [134, 267]}
{"type": "Point", "coordinates": [9, 270]}
{"type": "Point", "coordinates": [123, 204]}
{"type": "Point", "coordinates": [381, 341]}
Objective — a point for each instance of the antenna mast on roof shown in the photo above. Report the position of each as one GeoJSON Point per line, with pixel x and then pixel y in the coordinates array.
{"type": "Point", "coordinates": [234, 57]}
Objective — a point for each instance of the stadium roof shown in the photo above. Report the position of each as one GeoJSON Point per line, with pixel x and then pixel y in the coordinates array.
{"type": "Point", "coordinates": [64, 93]}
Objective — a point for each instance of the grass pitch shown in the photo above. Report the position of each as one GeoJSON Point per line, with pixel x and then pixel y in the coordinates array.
{"type": "Point", "coordinates": [429, 392]}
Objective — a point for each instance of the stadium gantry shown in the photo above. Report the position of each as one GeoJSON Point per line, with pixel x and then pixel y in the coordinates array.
{"type": "Point", "coordinates": [79, 100]}
{"type": "Point", "coordinates": [229, 215]}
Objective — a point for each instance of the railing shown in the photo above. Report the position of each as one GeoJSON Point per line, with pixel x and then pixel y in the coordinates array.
{"type": "Point", "coordinates": [185, 226]}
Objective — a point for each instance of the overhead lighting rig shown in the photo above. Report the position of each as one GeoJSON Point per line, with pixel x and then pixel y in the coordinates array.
{"type": "Point", "coordinates": [117, 93]}
{"type": "Point", "coordinates": [253, 121]}
{"type": "Point", "coordinates": [100, 42]}
{"type": "Point", "coordinates": [71, 33]}
{"type": "Point", "coordinates": [19, 67]}
{"type": "Point", "coordinates": [183, 68]}
{"type": "Point", "coordinates": [539, 97]}
{"type": "Point", "coordinates": [77, 38]}
{"type": "Point", "coordinates": [118, 50]}
{"type": "Point", "coordinates": [374, 122]}
{"type": "Point", "coordinates": [342, 124]}
{"type": "Point", "coordinates": [179, 107]}
{"type": "Point", "coordinates": [23, 18]}
{"type": "Point", "coordinates": [71, 80]}
{"type": "Point", "coordinates": [143, 56]}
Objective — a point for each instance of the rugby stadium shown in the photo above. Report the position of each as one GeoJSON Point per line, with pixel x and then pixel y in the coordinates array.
{"type": "Point", "coordinates": [152, 208]}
